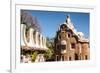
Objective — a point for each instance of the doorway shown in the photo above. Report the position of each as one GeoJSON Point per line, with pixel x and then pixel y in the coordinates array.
{"type": "Point", "coordinates": [76, 56]}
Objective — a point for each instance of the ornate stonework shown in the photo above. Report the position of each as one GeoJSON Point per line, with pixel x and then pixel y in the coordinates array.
{"type": "Point", "coordinates": [32, 40]}
{"type": "Point", "coordinates": [70, 44]}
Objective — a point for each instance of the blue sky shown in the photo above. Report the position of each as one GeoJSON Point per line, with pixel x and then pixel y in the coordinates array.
{"type": "Point", "coordinates": [50, 21]}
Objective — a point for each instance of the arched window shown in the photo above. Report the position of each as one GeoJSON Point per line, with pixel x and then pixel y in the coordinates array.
{"type": "Point", "coordinates": [63, 47]}
{"type": "Point", "coordinates": [63, 44]}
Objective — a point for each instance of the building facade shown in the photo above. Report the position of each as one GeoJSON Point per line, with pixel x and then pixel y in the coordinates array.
{"type": "Point", "coordinates": [69, 44]}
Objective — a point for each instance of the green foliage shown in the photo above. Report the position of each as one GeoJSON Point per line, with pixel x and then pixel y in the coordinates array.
{"type": "Point", "coordinates": [48, 54]}
{"type": "Point", "coordinates": [34, 55]}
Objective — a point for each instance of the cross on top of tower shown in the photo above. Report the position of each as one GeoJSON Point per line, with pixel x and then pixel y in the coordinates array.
{"type": "Point", "coordinates": [68, 20]}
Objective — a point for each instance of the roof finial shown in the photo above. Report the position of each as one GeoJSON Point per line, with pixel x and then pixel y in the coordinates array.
{"type": "Point", "coordinates": [68, 20]}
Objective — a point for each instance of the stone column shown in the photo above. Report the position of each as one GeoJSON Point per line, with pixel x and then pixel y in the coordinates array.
{"type": "Point", "coordinates": [22, 35]}
{"type": "Point", "coordinates": [41, 41]}
{"type": "Point", "coordinates": [37, 40]}
{"type": "Point", "coordinates": [31, 43]}
{"type": "Point", "coordinates": [45, 43]}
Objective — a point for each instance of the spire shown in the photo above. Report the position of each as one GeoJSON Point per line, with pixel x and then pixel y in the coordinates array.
{"type": "Point", "coordinates": [68, 20]}
{"type": "Point", "coordinates": [69, 23]}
